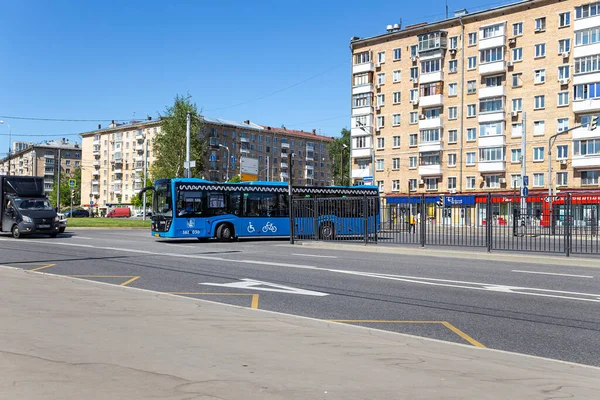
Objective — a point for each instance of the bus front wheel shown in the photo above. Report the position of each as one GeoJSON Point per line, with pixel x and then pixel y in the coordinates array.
{"type": "Point", "coordinates": [327, 232]}
{"type": "Point", "coordinates": [225, 233]}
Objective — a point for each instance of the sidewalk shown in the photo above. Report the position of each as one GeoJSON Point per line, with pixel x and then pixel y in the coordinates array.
{"type": "Point", "coordinates": [63, 338]}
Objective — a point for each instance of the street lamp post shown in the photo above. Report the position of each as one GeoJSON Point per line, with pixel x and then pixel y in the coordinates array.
{"type": "Point", "coordinates": [9, 143]}
{"type": "Point", "coordinates": [227, 172]}
{"type": "Point", "coordinates": [344, 147]}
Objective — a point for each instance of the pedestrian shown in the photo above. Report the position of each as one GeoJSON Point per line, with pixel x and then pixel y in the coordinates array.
{"type": "Point", "coordinates": [412, 223]}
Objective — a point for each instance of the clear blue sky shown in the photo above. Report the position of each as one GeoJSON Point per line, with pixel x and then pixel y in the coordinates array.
{"type": "Point", "coordinates": [111, 59]}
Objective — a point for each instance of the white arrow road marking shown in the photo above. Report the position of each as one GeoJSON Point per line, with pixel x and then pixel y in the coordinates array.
{"type": "Point", "coordinates": [558, 294]}
{"type": "Point", "coordinates": [272, 287]}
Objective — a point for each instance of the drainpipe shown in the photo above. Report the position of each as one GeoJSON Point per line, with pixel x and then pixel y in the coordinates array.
{"type": "Point", "coordinates": [462, 100]}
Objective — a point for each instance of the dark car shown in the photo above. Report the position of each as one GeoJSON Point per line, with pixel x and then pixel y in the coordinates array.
{"type": "Point", "coordinates": [77, 214]}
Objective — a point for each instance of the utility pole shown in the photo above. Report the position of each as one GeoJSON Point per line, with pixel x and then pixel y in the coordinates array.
{"type": "Point", "coordinates": [145, 173]}
{"type": "Point", "coordinates": [58, 183]}
{"type": "Point", "coordinates": [523, 167]}
{"type": "Point", "coordinates": [187, 165]}
{"type": "Point", "coordinates": [290, 198]}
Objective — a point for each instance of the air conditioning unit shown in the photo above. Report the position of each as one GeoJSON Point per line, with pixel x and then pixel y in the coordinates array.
{"type": "Point", "coordinates": [378, 86]}
{"type": "Point", "coordinates": [514, 113]}
{"type": "Point", "coordinates": [538, 29]}
{"type": "Point", "coordinates": [377, 108]}
{"type": "Point", "coordinates": [512, 40]}
{"type": "Point", "coordinates": [378, 131]}
{"type": "Point", "coordinates": [563, 162]}
{"type": "Point", "coordinates": [564, 81]}
{"type": "Point", "coordinates": [452, 191]}
{"type": "Point", "coordinates": [378, 65]}
{"type": "Point", "coordinates": [421, 182]}
{"type": "Point", "coordinates": [509, 64]}
{"type": "Point", "coordinates": [452, 51]}
{"type": "Point", "coordinates": [414, 80]}
{"type": "Point", "coordinates": [502, 180]}
{"type": "Point", "coordinates": [414, 101]}
{"type": "Point", "coordinates": [565, 54]}
{"type": "Point", "coordinates": [413, 58]}
{"type": "Point", "coordinates": [421, 116]}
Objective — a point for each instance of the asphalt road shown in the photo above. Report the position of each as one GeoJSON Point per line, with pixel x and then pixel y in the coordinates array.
{"type": "Point", "coordinates": [537, 309]}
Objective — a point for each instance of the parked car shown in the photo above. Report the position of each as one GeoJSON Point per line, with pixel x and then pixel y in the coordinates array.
{"type": "Point", "coordinates": [119, 212]}
{"type": "Point", "coordinates": [62, 222]}
{"type": "Point", "coordinates": [77, 214]}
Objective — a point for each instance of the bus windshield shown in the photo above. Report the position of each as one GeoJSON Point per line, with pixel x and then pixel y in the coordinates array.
{"type": "Point", "coordinates": [163, 203]}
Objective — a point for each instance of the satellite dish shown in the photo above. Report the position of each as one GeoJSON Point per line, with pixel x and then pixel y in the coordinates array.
{"type": "Point", "coordinates": [397, 26]}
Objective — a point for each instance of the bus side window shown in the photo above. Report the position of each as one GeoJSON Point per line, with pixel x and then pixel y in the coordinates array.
{"type": "Point", "coordinates": [235, 203]}
{"type": "Point", "coordinates": [282, 205]}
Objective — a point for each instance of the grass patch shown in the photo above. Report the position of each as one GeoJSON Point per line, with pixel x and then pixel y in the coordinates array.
{"type": "Point", "coordinates": [107, 223]}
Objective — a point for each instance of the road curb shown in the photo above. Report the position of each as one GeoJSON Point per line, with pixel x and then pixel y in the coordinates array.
{"type": "Point", "coordinates": [543, 259]}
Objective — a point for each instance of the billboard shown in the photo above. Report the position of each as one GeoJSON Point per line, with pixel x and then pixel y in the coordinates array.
{"type": "Point", "coordinates": [248, 168]}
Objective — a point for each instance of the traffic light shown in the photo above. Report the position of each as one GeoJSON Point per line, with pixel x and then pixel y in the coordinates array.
{"type": "Point", "coordinates": [594, 122]}
{"type": "Point", "coordinates": [72, 194]}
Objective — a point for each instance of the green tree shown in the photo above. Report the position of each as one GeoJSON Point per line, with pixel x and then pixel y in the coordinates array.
{"type": "Point", "coordinates": [65, 189]}
{"type": "Point", "coordinates": [235, 179]}
{"type": "Point", "coordinates": [336, 151]}
{"type": "Point", "coordinates": [138, 202]}
{"type": "Point", "coordinates": [170, 144]}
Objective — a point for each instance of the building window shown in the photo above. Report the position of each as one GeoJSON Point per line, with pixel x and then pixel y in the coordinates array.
{"type": "Point", "coordinates": [515, 181]}
{"type": "Point", "coordinates": [471, 87]}
{"type": "Point", "coordinates": [362, 58]}
{"type": "Point", "coordinates": [517, 54]}
{"type": "Point", "coordinates": [492, 181]}
{"type": "Point", "coordinates": [452, 89]}
{"type": "Point", "coordinates": [381, 57]}
{"type": "Point", "coordinates": [539, 102]}
{"type": "Point", "coordinates": [396, 76]}
{"type": "Point", "coordinates": [414, 73]}
{"type": "Point", "coordinates": [412, 140]}
{"type": "Point", "coordinates": [380, 121]}
{"type": "Point", "coordinates": [491, 129]}
{"type": "Point", "coordinates": [380, 143]}
{"type": "Point", "coordinates": [395, 185]}
{"type": "Point", "coordinates": [396, 163]}
{"type": "Point", "coordinates": [564, 46]}
{"type": "Point", "coordinates": [379, 164]}
{"type": "Point", "coordinates": [491, 55]}
{"type": "Point", "coordinates": [563, 72]}
{"type": "Point", "coordinates": [538, 180]}
{"type": "Point", "coordinates": [359, 79]}
{"type": "Point", "coordinates": [451, 183]}
{"type": "Point", "coordinates": [563, 124]}
{"type": "Point", "coordinates": [430, 66]}
{"type": "Point", "coordinates": [414, 117]}
{"type": "Point", "coordinates": [380, 100]}
{"type": "Point", "coordinates": [491, 104]}
{"type": "Point", "coordinates": [452, 160]}
{"type": "Point", "coordinates": [413, 95]}
{"type": "Point", "coordinates": [453, 42]}
{"type": "Point", "coordinates": [587, 64]}
{"type": "Point", "coordinates": [396, 119]}
{"type": "Point", "coordinates": [430, 135]}
{"type": "Point", "coordinates": [517, 104]}
{"type": "Point", "coordinates": [361, 100]}
{"type": "Point", "coordinates": [396, 96]}
{"type": "Point", "coordinates": [452, 66]}
{"type": "Point", "coordinates": [540, 50]}
{"type": "Point", "coordinates": [470, 158]}
{"type": "Point", "coordinates": [452, 112]}
{"type": "Point", "coordinates": [539, 128]}
{"type": "Point", "coordinates": [562, 152]}
{"type": "Point", "coordinates": [538, 154]}
{"type": "Point", "coordinates": [472, 38]}
{"type": "Point", "coordinates": [397, 54]}
{"type": "Point", "coordinates": [540, 24]}
{"type": "Point", "coordinates": [587, 36]}
{"type": "Point", "coordinates": [540, 76]}
{"type": "Point", "coordinates": [516, 80]}
{"type": "Point", "coordinates": [381, 78]}
{"type": "Point", "coordinates": [491, 154]}
{"type": "Point", "coordinates": [564, 19]}
{"type": "Point", "coordinates": [452, 136]}
{"type": "Point", "coordinates": [396, 141]}
{"type": "Point", "coordinates": [589, 178]}
{"type": "Point", "coordinates": [587, 91]}
{"type": "Point", "coordinates": [380, 186]}
{"type": "Point", "coordinates": [472, 62]}
{"type": "Point", "coordinates": [412, 185]}
{"type": "Point", "coordinates": [517, 29]}
{"type": "Point", "coordinates": [361, 142]}
{"type": "Point", "coordinates": [431, 183]}
{"type": "Point", "coordinates": [588, 10]}
{"type": "Point", "coordinates": [412, 162]}
{"type": "Point", "coordinates": [586, 147]}
{"type": "Point", "coordinates": [471, 182]}
{"type": "Point", "coordinates": [471, 110]}
{"type": "Point", "coordinates": [471, 134]}
{"type": "Point", "coordinates": [515, 156]}
{"type": "Point", "coordinates": [562, 178]}
{"type": "Point", "coordinates": [414, 50]}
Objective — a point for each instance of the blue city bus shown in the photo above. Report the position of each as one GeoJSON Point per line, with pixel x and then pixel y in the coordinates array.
{"type": "Point", "coordinates": [197, 208]}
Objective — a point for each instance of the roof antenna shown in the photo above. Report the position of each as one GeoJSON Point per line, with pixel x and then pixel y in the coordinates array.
{"type": "Point", "coordinates": [446, 9]}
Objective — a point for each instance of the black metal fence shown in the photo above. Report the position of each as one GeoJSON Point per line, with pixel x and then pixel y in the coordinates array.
{"type": "Point", "coordinates": [559, 224]}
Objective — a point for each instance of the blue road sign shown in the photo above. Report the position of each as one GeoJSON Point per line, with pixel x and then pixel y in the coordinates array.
{"type": "Point", "coordinates": [525, 191]}
{"type": "Point", "coordinates": [91, 195]}
{"type": "Point", "coordinates": [526, 180]}
{"type": "Point", "coordinates": [72, 183]}
{"type": "Point", "coordinates": [91, 203]}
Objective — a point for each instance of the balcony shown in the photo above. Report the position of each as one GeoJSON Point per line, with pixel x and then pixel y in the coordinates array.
{"type": "Point", "coordinates": [584, 106]}
{"type": "Point", "coordinates": [490, 43]}
{"type": "Point", "coordinates": [49, 156]}
{"type": "Point", "coordinates": [360, 68]}
{"type": "Point", "coordinates": [95, 153]}
{"type": "Point", "coordinates": [117, 181]}
{"type": "Point", "coordinates": [118, 161]}
{"type": "Point", "coordinates": [95, 191]}
{"type": "Point", "coordinates": [431, 77]}
{"type": "Point", "coordinates": [492, 141]}
{"type": "Point", "coordinates": [96, 164]}
{"type": "Point", "coordinates": [433, 100]}
{"type": "Point", "coordinates": [284, 175]}
{"type": "Point", "coordinates": [139, 167]}
{"type": "Point", "coordinates": [491, 116]}
{"type": "Point", "coordinates": [495, 67]}
{"type": "Point", "coordinates": [360, 89]}
{"type": "Point", "coordinates": [285, 155]}
{"type": "Point", "coordinates": [585, 133]}
{"type": "Point", "coordinates": [96, 141]}
{"type": "Point", "coordinates": [361, 153]}
{"type": "Point", "coordinates": [362, 110]}
{"type": "Point", "coordinates": [586, 161]}
{"type": "Point", "coordinates": [118, 171]}
{"type": "Point", "coordinates": [285, 145]}
{"type": "Point", "coordinates": [49, 172]}
{"type": "Point", "coordinates": [49, 181]}
{"type": "Point", "coordinates": [139, 136]}
{"type": "Point", "coordinates": [284, 165]}
{"type": "Point", "coordinates": [244, 140]}
{"type": "Point", "coordinates": [117, 191]}
{"type": "Point", "coordinates": [138, 179]}
{"type": "Point", "coordinates": [139, 147]}
{"type": "Point", "coordinates": [431, 146]}
{"type": "Point", "coordinates": [492, 166]}
{"type": "Point", "coordinates": [360, 131]}
{"type": "Point", "coordinates": [244, 150]}
{"type": "Point", "coordinates": [360, 173]}
{"type": "Point", "coordinates": [430, 123]}
{"type": "Point", "coordinates": [95, 173]}
{"type": "Point", "coordinates": [310, 158]}
{"type": "Point", "coordinates": [430, 170]}
{"type": "Point", "coordinates": [494, 91]}
{"type": "Point", "coordinates": [310, 147]}
{"type": "Point", "coordinates": [586, 23]}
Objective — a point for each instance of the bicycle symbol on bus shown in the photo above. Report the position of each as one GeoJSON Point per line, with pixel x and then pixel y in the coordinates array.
{"type": "Point", "coordinates": [268, 227]}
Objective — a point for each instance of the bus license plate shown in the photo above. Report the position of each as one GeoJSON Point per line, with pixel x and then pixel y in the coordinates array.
{"type": "Point", "coordinates": [192, 232]}
{"type": "Point", "coordinates": [44, 226]}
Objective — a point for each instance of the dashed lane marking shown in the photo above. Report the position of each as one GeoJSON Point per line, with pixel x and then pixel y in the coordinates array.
{"type": "Point", "coordinates": [43, 267]}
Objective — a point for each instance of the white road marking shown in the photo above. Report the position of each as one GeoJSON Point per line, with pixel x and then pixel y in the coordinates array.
{"type": "Point", "coordinates": [312, 255]}
{"type": "Point", "coordinates": [551, 273]}
{"type": "Point", "coordinates": [81, 237]}
{"type": "Point", "coordinates": [271, 287]}
{"type": "Point", "coordinates": [506, 289]}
